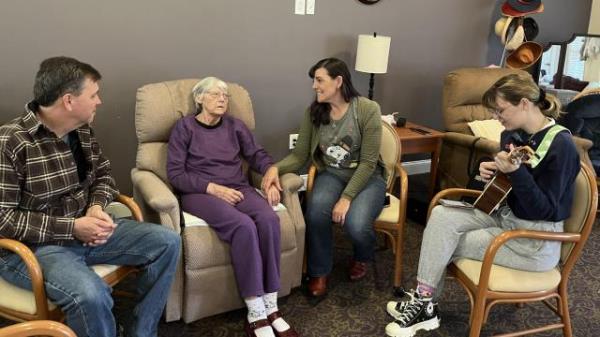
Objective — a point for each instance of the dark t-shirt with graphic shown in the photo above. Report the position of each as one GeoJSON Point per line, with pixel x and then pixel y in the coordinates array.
{"type": "Point", "coordinates": [339, 142]}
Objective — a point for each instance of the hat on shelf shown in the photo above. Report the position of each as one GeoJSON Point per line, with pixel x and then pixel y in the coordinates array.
{"type": "Point", "coordinates": [519, 8]}
{"type": "Point", "coordinates": [525, 56]}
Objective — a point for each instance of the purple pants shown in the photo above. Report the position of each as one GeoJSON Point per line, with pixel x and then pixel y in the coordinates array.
{"type": "Point", "coordinates": [252, 230]}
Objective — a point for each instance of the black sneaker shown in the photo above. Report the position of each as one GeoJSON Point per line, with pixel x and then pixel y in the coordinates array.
{"type": "Point", "coordinates": [395, 308]}
{"type": "Point", "coordinates": [418, 314]}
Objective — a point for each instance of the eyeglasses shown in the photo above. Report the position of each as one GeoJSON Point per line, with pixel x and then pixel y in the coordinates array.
{"type": "Point", "coordinates": [499, 111]}
{"type": "Point", "coordinates": [217, 94]}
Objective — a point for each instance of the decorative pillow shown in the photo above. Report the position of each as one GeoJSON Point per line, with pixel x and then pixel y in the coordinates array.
{"type": "Point", "coordinates": [489, 128]}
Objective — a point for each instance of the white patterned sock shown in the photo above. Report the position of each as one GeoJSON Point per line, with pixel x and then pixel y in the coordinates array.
{"type": "Point", "coordinates": [271, 306]}
{"type": "Point", "coordinates": [256, 311]}
{"type": "Point", "coordinates": [256, 308]}
{"type": "Point", "coordinates": [270, 300]}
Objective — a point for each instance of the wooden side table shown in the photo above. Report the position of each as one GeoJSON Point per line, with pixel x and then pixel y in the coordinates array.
{"type": "Point", "coordinates": [426, 141]}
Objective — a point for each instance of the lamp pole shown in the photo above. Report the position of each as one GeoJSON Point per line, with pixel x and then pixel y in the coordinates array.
{"type": "Point", "coordinates": [371, 85]}
{"type": "Point", "coordinates": [372, 78]}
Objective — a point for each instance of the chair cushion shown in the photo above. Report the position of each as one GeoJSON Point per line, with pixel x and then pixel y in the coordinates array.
{"type": "Point", "coordinates": [511, 280]}
{"type": "Point", "coordinates": [22, 300]}
{"type": "Point", "coordinates": [202, 248]}
{"type": "Point", "coordinates": [390, 213]}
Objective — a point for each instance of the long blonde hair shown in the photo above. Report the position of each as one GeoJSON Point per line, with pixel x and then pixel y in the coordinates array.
{"type": "Point", "coordinates": [514, 87]}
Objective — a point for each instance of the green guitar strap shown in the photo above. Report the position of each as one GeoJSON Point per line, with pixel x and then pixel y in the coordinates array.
{"type": "Point", "coordinates": [542, 150]}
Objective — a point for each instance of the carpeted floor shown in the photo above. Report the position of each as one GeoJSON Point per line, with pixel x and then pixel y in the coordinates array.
{"type": "Point", "coordinates": [357, 309]}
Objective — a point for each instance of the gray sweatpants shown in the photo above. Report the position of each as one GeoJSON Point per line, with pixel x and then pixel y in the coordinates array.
{"type": "Point", "coordinates": [454, 233]}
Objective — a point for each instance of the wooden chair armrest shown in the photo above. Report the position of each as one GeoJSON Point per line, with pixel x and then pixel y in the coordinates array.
{"type": "Point", "coordinates": [451, 193]}
{"type": "Point", "coordinates": [310, 180]}
{"type": "Point", "coordinates": [35, 272]}
{"type": "Point", "coordinates": [37, 328]}
{"type": "Point", "coordinates": [132, 205]}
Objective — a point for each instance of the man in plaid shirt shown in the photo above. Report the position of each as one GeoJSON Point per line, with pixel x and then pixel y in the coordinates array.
{"type": "Point", "coordinates": [54, 186]}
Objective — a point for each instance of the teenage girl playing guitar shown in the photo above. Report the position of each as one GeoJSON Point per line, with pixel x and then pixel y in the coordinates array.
{"type": "Point", "coordinates": [540, 199]}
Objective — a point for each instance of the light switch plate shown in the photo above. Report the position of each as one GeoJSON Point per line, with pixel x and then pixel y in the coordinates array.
{"type": "Point", "coordinates": [310, 7]}
{"type": "Point", "coordinates": [300, 7]}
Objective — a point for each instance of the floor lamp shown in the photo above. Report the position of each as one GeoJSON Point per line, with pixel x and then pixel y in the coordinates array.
{"type": "Point", "coordinates": [372, 54]}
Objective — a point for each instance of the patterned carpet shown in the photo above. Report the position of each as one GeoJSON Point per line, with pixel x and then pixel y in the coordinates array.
{"type": "Point", "coordinates": [357, 309]}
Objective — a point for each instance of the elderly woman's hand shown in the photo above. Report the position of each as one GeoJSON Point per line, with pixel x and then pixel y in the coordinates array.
{"type": "Point", "coordinates": [271, 178]}
{"type": "Point", "coordinates": [273, 196]}
{"type": "Point", "coordinates": [230, 195]}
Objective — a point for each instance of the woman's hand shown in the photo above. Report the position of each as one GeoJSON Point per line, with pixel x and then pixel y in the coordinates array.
{"type": "Point", "coordinates": [230, 195]}
{"type": "Point", "coordinates": [273, 196]}
{"type": "Point", "coordinates": [339, 211]}
{"type": "Point", "coordinates": [271, 178]}
{"type": "Point", "coordinates": [504, 163]}
{"type": "Point", "coordinates": [487, 169]}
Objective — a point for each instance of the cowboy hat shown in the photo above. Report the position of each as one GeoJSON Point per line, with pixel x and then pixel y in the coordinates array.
{"type": "Point", "coordinates": [519, 8]}
{"type": "Point", "coordinates": [525, 56]}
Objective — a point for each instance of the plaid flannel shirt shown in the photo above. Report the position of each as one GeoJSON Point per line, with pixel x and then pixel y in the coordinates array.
{"type": "Point", "coordinates": [40, 192]}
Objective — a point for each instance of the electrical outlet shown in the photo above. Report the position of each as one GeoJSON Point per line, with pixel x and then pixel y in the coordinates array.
{"type": "Point", "coordinates": [293, 140]}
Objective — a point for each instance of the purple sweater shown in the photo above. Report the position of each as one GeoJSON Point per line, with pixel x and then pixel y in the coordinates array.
{"type": "Point", "coordinates": [199, 154]}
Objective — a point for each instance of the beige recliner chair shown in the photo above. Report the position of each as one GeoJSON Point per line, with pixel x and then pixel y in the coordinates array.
{"type": "Point", "coordinates": [461, 104]}
{"type": "Point", "coordinates": [205, 283]}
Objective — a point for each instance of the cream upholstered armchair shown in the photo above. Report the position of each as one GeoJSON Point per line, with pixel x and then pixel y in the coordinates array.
{"type": "Point", "coordinates": [461, 104]}
{"type": "Point", "coordinates": [204, 284]}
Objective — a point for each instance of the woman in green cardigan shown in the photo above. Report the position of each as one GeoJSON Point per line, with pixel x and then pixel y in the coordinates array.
{"type": "Point", "coordinates": [341, 135]}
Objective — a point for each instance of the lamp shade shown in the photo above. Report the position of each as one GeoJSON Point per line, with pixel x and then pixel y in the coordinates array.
{"type": "Point", "coordinates": [372, 53]}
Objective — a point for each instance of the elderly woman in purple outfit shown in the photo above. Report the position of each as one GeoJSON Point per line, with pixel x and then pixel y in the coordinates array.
{"type": "Point", "coordinates": [204, 165]}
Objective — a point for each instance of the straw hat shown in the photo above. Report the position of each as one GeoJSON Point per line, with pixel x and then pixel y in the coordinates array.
{"type": "Point", "coordinates": [509, 31]}
{"type": "Point", "coordinates": [525, 56]}
{"type": "Point", "coordinates": [516, 39]}
{"type": "Point", "coordinates": [501, 27]}
{"type": "Point", "coordinates": [519, 8]}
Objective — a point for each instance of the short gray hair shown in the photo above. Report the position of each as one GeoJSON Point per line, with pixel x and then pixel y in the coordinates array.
{"type": "Point", "coordinates": [204, 85]}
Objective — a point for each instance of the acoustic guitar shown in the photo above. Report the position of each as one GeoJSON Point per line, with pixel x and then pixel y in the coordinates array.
{"type": "Point", "coordinates": [497, 189]}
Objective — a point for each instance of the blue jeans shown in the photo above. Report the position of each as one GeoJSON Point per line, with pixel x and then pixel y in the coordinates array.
{"type": "Point", "coordinates": [364, 209]}
{"type": "Point", "coordinates": [85, 298]}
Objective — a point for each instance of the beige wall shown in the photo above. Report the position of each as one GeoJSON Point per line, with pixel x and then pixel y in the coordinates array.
{"type": "Point", "coordinates": [259, 44]}
{"type": "Point", "coordinates": [594, 27]}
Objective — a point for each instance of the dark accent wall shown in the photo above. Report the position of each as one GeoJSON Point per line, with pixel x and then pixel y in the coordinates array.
{"type": "Point", "coordinates": [260, 44]}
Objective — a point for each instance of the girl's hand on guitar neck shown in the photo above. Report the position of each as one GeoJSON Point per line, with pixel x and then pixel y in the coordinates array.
{"type": "Point", "coordinates": [505, 161]}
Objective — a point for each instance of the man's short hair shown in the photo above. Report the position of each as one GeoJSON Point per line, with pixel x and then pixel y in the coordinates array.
{"type": "Point", "coordinates": [61, 75]}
